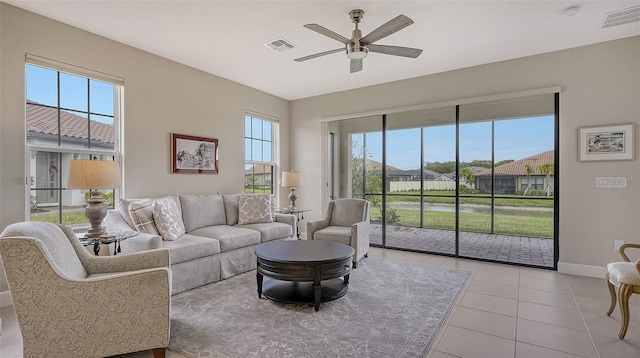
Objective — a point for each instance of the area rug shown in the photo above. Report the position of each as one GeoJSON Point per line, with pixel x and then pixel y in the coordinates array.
{"type": "Point", "coordinates": [393, 309]}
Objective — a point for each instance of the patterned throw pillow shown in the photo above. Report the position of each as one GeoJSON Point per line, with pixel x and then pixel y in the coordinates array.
{"type": "Point", "coordinates": [253, 209]}
{"type": "Point", "coordinates": [141, 212]}
{"type": "Point", "coordinates": [168, 218]}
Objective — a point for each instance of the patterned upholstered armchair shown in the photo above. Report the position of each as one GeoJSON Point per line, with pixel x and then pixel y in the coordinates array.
{"type": "Point", "coordinates": [70, 303]}
{"type": "Point", "coordinates": [346, 222]}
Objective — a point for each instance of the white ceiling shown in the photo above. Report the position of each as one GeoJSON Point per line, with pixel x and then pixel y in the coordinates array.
{"type": "Point", "coordinates": [226, 38]}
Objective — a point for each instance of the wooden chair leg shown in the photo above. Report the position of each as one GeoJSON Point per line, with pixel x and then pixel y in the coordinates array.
{"type": "Point", "coordinates": [623, 296]}
{"type": "Point", "coordinates": [159, 352]}
{"type": "Point", "coordinates": [354, 265]}
{"type": "Point", "coordinates": [612, 293]}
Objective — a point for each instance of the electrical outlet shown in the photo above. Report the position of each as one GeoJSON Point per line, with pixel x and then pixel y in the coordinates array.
{"type": "Point", "coordinates": [618, 244]}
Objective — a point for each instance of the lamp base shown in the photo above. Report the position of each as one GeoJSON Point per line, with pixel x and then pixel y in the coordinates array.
{"type": "Point", "coordinates": [95, 211]}
{"type": "Point", "coordinates": [292, 199]}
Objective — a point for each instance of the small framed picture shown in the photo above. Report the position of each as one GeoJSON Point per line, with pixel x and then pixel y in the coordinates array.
{"type": "Point", "coordinates": [606, 143]}
{"type": "Point", "coordinates": [191, 154]}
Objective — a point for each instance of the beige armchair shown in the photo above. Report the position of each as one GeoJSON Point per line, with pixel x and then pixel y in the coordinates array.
{"type": "Point", "coordinates": [626, 276]}
{"type": "Point", "coordinates": [346, 222]}
{"type": "Point", "coordinates": [70, 303]}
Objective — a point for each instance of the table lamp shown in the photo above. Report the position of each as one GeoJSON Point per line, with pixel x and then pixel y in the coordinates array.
{"type": "Point", "coordinates": [94, 175]}
{"type": "Point", "coordinates": [292, 179]}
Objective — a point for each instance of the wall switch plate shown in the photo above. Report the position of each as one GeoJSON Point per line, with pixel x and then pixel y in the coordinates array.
{"type": "Point", "coordinates": [611, 182]}
{"type": "Point", "coordinates": [618, 244]}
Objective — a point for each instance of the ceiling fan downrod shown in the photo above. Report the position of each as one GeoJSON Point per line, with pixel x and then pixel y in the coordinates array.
{"type": "Point", "coordinates": [355, 49]}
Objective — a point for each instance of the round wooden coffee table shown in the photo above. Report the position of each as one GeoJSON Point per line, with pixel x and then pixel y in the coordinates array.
{"type": "Point", "coordinates": [303, 271]}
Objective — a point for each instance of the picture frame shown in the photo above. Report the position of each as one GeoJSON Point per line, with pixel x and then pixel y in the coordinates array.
{"type": "Point", "coordinates": [195, 155]}
{"type": "Point", "coordinates": [606, 143]}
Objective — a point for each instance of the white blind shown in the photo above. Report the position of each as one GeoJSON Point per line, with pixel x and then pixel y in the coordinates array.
{"type": "Point", "coordinates": [74, 70]}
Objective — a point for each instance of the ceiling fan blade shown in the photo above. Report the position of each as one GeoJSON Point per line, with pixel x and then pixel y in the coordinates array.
{"type": "Point", "coordinates": [395, 50]}
{"type": "Point", "coordinates": [324, 31]}
{"type": "Point", "coordinates": [318, 54]}
{"type": "Point", "coordinates": [356, 65]}
{"type": "Point", "coordinates": [392, 26]}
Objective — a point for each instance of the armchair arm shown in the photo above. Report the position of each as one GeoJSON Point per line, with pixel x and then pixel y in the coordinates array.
{"type": "Point", "coordinates": [623, 247]}
{"type": "Point", "coordinates": [158, 258]}
{"type": "Point", "coordinates": [288, 219]}
{"type": "Point", "coordinates": [313, 226]}
{"type": "Point", "coordinates": [360, 238]}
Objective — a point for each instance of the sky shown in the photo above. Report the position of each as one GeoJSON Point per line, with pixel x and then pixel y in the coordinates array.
{"type": "Point", "coordinates": [514, 139]}
{"type": "Point", "coordinates": [42, 87]}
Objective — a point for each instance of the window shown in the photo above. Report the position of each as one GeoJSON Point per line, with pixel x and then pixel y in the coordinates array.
{"type": "Point", "coordinates": [258, 154]}
{"type": "Point", "coordinates": [68, 116]}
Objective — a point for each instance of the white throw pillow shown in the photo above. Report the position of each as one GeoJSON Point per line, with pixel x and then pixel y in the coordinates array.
{"type": "Point", "coordinates": [141, 212]}
{"type": "Point", "coordinates": [168, 218]}
{"type": "Point", "coordinates": [253, 209]}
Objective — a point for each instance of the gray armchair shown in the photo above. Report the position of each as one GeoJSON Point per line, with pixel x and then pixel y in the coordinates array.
{"type": "Point", "coordinates": [347, 222]}
{"type": "Point", "coordinates": [70, 303]}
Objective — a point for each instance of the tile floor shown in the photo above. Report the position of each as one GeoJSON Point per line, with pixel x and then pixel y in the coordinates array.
{"type": "Point", "coordinates": [504, 311]}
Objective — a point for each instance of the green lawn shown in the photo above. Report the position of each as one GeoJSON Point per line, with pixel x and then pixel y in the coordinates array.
{"type": "Point", "coordinates": [68, 217]}
{"type": "Point", "coordinates": [504, 224]}
{"type": "Point", "coordinates": [447, 197]}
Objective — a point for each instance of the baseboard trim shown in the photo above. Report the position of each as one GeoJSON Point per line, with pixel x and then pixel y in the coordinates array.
{"type": "Point", "coordinates": [582, 270]}
{"type": "Point", "coordinates": [5, 299]}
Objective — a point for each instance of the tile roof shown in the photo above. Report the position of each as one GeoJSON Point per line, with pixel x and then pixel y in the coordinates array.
{"type": "Point", "coordinates": [519, 168]}
{"type": "Point", "coordinates": [44, 120]}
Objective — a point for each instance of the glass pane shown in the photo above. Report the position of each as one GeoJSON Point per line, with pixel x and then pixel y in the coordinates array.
{"type": "Point", "coordinates": [102, 134]}
{"type": "Point", "coordinates": [256, 128]}
{"type": "Point", "coordinates": [42, 125]}
{"type": "Point", "coordinates": [42, 85]}
{"type": "Point", "coordinates": [256, 150]}
{"type": "Point", "coordinates": [357, 165]}
{"type": "Point", "coordinates": [439, 218]}
{"type": "Point", "coordinates": [247, 149]}
{"type": "Point", "coordinates": [74, 92]}
{"type": "Point", "coordinates": [266, 151]}
{"type": "Point", "coordinates": [101, 97]}
{"type": "Point", "coordinates": [247, 126]}
{"type": "Point", "coordinates": [403, 178]}
{"type": "Point", "coordinates": [74, 126]}
{"type": "Point", "coordinates": [41, 211]}
{"type": "Point", "coordinates": [266, 130]}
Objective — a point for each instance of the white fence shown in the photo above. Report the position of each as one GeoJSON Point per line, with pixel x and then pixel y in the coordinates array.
{"type": "Point", "coordinates": [428, 185]}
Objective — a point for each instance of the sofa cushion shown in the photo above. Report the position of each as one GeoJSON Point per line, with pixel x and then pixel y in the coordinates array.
{"type": "Point", "coordinates": [230, 237]}
{"type": "Point", "coordinates": [141, 212]}
{"type": "Point", "coordinates": [270, 231]}
{"type": "Point", "coordinates": [231, 202]}
{"type": "Point", "coordinates": [339, 234]}
{"type": "Point", "coordinates": [168, 218]}
{"type": "Point", "coordinates": [123, 207]}
{"type": "Point", "coordinates": [190, 247]}
{"type": "Point", "coordinates": [254, 209]}
{"type": "Point", "coordinates": [201, 210]}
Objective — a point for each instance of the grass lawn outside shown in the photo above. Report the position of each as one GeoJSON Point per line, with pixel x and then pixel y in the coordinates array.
{"type": "Point", "coordinates": [503, 224]}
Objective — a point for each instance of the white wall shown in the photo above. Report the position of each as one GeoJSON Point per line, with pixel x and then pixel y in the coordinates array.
{"type": "Point", "coordinates": [160, 97]}
{"type": "Point", "coordinates": [600, 86]}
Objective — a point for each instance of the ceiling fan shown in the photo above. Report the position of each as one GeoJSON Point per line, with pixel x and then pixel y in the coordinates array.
{"type": "Point", "coordinates": [358, 47]}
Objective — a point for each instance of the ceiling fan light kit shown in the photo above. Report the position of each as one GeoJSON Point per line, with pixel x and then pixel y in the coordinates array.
{"type": "Point", "coordinates": [358, 47]}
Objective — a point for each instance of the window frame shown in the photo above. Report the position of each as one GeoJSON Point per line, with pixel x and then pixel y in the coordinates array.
{"type": "Point", "coordinates": [251, 164]}
{"type": "Point", "coordinates": [88, 149]}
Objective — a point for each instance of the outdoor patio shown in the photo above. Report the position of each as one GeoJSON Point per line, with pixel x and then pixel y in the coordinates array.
{"type": "Point", "coordinates": [508, 248]}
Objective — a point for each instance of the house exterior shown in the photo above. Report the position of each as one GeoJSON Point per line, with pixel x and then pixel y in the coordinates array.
{"type": "Point", "coordinates": [512, 178]}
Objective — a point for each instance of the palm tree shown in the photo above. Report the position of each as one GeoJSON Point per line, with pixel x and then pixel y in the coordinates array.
{"type": "Point", "coordinates": [547, 169]}
{"type": "Point", "coordinates": [467, 175]}
{"type": "Point", "coordinates": [529, 172]}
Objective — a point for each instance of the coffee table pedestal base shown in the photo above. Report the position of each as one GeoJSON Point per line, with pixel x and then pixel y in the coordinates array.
{"type": "Point", "coordinates": [303, 292]}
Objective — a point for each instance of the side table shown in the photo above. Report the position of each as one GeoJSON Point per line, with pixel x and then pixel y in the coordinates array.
{"type": "Point", "coordinates": [110, 237]}
{"type": "Point", "coordinates": [299, 213]}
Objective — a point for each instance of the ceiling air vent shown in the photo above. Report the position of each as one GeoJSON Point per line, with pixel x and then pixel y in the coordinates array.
{"type": "Point", "coordinates": [621, 17]}
{"type": "Point", "coordinates": [280, 45]}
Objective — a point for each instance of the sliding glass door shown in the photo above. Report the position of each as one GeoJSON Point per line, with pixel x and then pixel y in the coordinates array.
{"type": "Point", "coordinates": [472, 180]}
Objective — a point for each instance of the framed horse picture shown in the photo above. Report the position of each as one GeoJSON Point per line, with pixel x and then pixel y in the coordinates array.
{"type": "Point", "coordinates": [190, 154]}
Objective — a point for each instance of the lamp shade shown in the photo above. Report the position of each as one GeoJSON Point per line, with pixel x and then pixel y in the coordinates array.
{"type": "Point", "coordinates": [293, 179]}
{"type": "Point", "coordinates": [93, 174]}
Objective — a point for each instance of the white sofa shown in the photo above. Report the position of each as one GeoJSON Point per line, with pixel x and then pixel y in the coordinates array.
{"type": "Point", "coordinates": [218, 237]}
